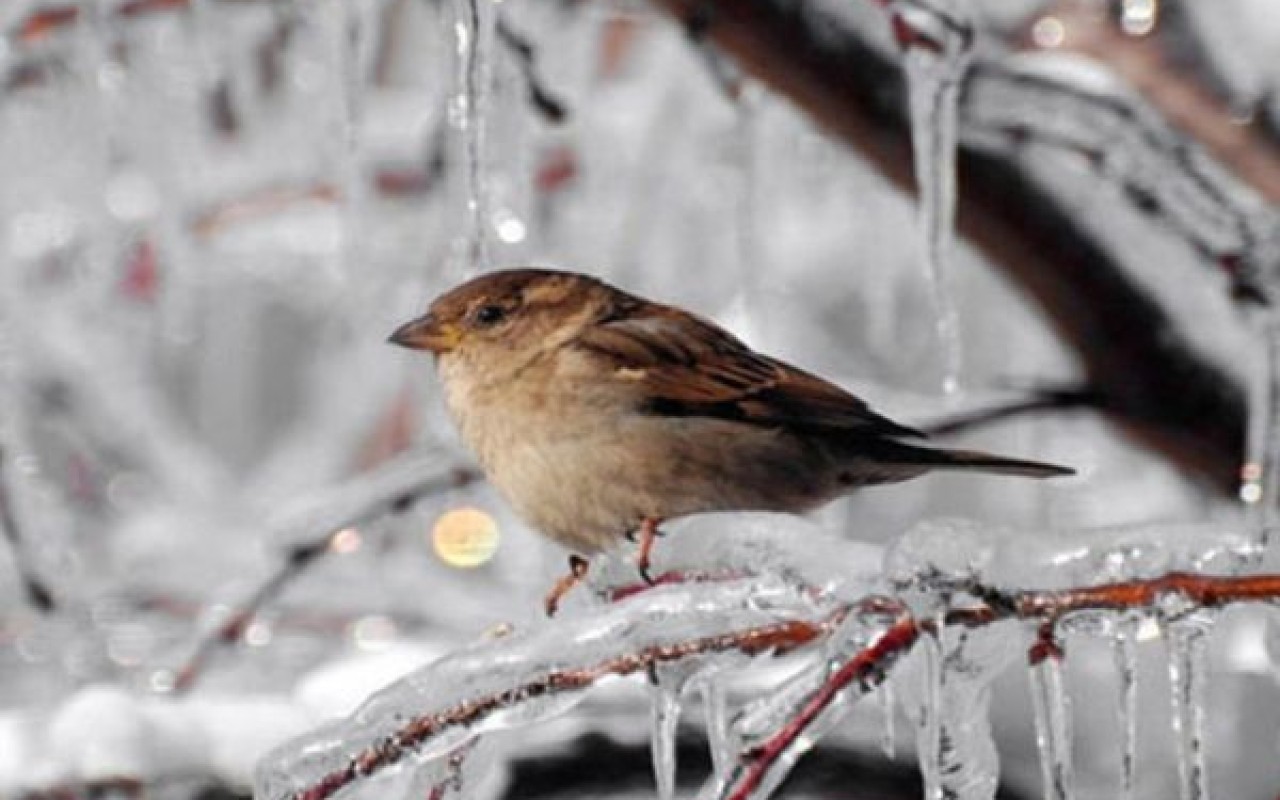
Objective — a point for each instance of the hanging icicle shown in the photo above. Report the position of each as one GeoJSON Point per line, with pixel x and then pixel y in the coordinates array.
{"type": "Point", "coordinates": [1125, 652]}
{"type": "Point", "coordinates": [665, 720]}
{"type": "Point", "coordinates": [928, 718]}
{"type": "Point", "coordinates": [1260, 473]}
{"type": "Point", "coordinates": [1187, 642]}
{"type": "Point", "coordinates": [474, 28]}
{"type": "Point", "coordinates": [1053, 724]}
{"type": "Point", "coordinates": [888, 733]}
{"type": "Point", "coordinates": [936, 38]}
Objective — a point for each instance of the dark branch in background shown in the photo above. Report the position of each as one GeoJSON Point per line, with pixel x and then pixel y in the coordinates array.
{"type": "Point", "coordinates": [1039, 400]}
{"type": "Point", "coordinates": [551, 108]}
{"type": "Point", "coordinates": [37, 593]}
{"type": "Point", "coordinates": [1133, 351]}
{"type": "Point", "coordinates": [396, 498]}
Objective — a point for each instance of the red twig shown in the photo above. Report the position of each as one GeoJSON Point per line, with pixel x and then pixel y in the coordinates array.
{"type": "Point", "coordinates": [864, 666]}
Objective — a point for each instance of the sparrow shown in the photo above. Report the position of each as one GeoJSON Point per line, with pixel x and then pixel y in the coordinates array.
{"type": "Point", "coordinates": [598, 414]}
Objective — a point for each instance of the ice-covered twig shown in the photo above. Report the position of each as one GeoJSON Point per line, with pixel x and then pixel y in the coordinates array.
{"type": "Point", "coordinates": [312, 528]}
{"type": "Point", "coordinates": [764, 761]}
{"type": "Point", "coordinates": [37, 593]}
{"type": "Point", "coordinates": [524, 678]}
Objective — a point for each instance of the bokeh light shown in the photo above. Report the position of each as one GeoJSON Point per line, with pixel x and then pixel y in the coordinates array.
{"type": "Point", "coordinates": [465, 537]}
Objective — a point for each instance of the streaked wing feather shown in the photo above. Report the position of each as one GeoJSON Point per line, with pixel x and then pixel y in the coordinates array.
{"type": "Point", "coordinates": [691, 367]}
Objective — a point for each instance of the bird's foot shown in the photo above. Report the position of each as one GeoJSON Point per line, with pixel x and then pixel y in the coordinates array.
{"type": "Point", "coordinates": [577, 571]}
{"type": "Point", "coordinates": [648, 534]}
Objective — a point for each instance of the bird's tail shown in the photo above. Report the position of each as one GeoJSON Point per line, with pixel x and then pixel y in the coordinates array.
{"type": "Point", "coordinates": [909, 459]}
{"type": "Point", "coordinates": [998, 465]}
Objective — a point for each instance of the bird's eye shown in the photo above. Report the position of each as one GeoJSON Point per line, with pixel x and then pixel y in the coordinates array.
{"type": "Point", "coordinates": [489, 315]}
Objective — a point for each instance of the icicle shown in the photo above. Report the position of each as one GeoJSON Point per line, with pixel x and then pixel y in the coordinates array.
{"type": "Point", "coordinates": [888, 737]}
{"type": "Point", "coordinates": [949, 699]}
{"type": "Point", "coordinates": [929, 718]}
{"type": "Point", "coordinates": [475, 25]}
{"type": "Point", "coordinates": [1187, 641]}
{"type": "Point", "coordinates": [1125, 651]}
{"type": "Point", "coordinates": [716, 702]}
{"type": "Point", "coordinates": [936, 39]}
{"type": "Point", "coordinates": [665, 720]}
{"type": "Point", "coordinates": [352, 44]}
{"type": "Point", "coordinates": [1053, 727]}
{"type": "Point", "coordinates": [1260, 474]}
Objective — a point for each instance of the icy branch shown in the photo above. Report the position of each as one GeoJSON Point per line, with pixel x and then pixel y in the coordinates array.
{"type": "Point", "coordinates": [312, 527]}
{"type": "Point", "coordinates": [528, 677]}
{"type": "Point", "coordinates": [831, 59]}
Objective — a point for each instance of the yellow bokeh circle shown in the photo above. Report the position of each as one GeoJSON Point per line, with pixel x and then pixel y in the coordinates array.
{"type": "Point", "coordinates": [465, 537]}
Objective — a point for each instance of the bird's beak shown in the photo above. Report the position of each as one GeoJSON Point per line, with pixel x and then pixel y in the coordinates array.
{"type": "Point", "coordinates": [427, 333]}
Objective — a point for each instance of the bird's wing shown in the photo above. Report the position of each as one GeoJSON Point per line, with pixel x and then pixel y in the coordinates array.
{"type": "Point", "coordinates": [688, 366]}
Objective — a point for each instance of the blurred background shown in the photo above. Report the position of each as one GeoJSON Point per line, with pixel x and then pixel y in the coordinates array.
{"type": "Point", "coordinates": [213, 212]}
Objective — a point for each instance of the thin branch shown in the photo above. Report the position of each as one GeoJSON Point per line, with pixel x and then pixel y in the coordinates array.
{"type": "Point", "coordinates": [1041, 400]}
{"type": "Point", "coordinates": [394, 498]}
{"type": "Point", "coordinates": [33, 586]}
{"type": "Point", "coordinates": [551, 108]}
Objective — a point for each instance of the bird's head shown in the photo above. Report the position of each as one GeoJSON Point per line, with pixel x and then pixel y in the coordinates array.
{"type": "Point", "coordinates": [505, 317]}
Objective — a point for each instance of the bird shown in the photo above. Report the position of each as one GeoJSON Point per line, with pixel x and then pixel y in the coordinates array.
{"type": "Point", "coordinates": [599, 414]}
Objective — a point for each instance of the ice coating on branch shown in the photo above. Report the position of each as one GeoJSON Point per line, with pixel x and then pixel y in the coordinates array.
{"type": "Point", "coordinates": [1053, 728]}
{"type": "Point", "coordinates": [1105, 555]}
{"type": "Point", "coordinates": [941, 556]}
{"type": "Point", "coordinates": [531, 676]}
{"type": "Point", "coordinates": [750, 543]}
{"type": "Point", "coordinates": [1074, 105]}
{"type": "Point", "coordinates": [1187, 641]}
{"type": "Point", "coordinates": [936, 37]}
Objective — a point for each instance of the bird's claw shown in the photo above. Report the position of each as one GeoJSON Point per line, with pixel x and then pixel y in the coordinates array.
{"type": "Point", "coordinates": [577, 572]}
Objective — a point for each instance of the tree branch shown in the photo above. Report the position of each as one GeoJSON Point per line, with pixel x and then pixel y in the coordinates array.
{"type": "Point", "coordinates": [1133, 350]}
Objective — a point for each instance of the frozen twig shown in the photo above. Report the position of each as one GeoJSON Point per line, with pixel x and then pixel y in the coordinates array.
{"type": "Point", "coordinates": [393, 488]}
{"type": "Point", "coordinates": [37, 593]}
{"type": "Point", "coordinates": [411, 734]}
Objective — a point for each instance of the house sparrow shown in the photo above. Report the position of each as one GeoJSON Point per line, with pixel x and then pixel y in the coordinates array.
{"type": "Point", "coordinates": [598, 414]}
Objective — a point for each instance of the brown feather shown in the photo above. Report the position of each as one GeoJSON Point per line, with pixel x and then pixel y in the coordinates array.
{"type": "Point", "coordinates": [689, 366]}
